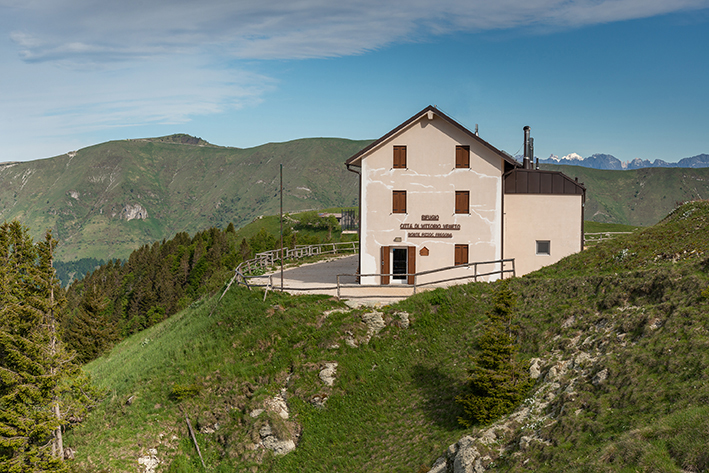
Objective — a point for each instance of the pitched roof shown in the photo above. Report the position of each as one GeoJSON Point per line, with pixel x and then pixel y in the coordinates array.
{"type": "Point", "coordinates": [354, 160]}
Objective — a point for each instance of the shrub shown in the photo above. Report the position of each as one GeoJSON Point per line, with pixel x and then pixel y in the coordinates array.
{"type": "Point", "coordinates": [184, 391]}
{"type": "Point", "coordinates": [496, 382]}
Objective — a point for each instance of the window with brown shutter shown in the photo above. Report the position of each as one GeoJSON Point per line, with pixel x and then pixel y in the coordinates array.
{"type": "Point", "coordinates": [461, 254]}
{"type": "Point", "coordinates": [399, 202]}
{"type": "Point", "coordinates": [462, 202]}
{"type": "Point", "coordinates": [400, 157]}
{"type": "Point", "coordinates": [462, 156]}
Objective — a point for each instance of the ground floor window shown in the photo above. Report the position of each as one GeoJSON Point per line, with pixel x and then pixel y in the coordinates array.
{"type": "Point", "coordinates": [461, 254]}
{"type": "Point", "coordinates": [544, 247]}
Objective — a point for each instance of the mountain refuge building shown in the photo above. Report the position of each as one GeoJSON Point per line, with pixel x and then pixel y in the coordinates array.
{"type": "Point", "coordinates": [435, 195]}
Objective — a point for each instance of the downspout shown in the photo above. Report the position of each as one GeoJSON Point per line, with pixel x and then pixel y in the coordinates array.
{"type": "Point", "coordinates": [583, 223]}
{"type": "Point", "coordinates": [359, 218]}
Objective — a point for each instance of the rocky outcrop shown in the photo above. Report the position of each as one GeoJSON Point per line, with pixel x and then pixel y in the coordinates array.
{"type": "Point", "coordinates": [558, 375]}
{"type": "Point", "coordinates": [131, 212]}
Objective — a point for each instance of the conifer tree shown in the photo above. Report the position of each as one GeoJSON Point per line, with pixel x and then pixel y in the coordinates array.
{"type": "Point", "coordinates": [496, 381]}
{"type": "Point", "coordinates": [31, 357]}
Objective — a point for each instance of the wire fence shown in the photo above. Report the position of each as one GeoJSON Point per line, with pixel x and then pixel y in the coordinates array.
{"type": "Point", "coordinates": [595, 238]}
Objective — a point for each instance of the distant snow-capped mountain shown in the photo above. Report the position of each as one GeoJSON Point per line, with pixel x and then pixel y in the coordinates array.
{"type": "Point", "coordinates": [607, 161]}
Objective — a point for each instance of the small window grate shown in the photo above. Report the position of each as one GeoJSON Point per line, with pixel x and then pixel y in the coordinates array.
{"type": "Point", "coordinates": [544, 247]}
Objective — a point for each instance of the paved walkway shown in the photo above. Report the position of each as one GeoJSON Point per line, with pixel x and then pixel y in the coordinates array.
{"type": "Point", "coordinates": [321, 278]}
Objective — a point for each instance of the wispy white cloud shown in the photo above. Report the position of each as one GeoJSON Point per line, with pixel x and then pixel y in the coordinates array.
{"type": "Point", "coordinates": [73, 66]}
{"type": "Point", "coordinates": [94, 30]}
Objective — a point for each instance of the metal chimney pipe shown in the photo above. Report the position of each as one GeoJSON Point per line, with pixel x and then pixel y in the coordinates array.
{"type": "Point", "coordinates": [526, 163]}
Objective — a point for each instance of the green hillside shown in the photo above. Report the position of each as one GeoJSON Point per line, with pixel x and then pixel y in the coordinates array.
{"type": "Point", "coordinates": [617, 338]}
{"type": "Point", "coordinates": [639, 197]}
{"type": "Point", "coordinates": [107, 200]}
{"type": "Point", "coordinates": [110, 199]}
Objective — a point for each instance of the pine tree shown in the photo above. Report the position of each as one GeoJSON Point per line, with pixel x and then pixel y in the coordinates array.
{"type": "Point", "coordinates": [497, 381]}
{"type": "Point", "coordinates": [90, 330]}
{"type": "Point", "coordinates": [31, 356]}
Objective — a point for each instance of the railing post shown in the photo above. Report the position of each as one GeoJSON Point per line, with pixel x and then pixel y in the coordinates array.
{"type": "Point", "coordinates": [338, 287]}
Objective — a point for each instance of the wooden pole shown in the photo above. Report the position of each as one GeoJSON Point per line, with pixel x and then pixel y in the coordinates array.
{"type": "Point", "coordinates": [281, 227]}
{"type": "Point", "coordinates": [194, 439]}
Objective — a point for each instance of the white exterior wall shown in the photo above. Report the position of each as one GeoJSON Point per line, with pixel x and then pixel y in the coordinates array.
{"type": "Point", "coordinates": [532, 217]}
{"type": "Point", "coordinates": [430, 180]}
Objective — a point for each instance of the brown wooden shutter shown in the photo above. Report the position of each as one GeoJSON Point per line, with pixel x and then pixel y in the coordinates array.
{"type": "Point", "coordinates": [462, 156]}
{"type": "Point", "coordinates": [384, 269]}
{"type": "Point", "coordinates": [462, 202]}
{"type": "Point", "coordinates": [399, 202]}
{"type": "Point", "coordinates": [461, 254]}
{"type": "Point", "coordinates": [400, 157]}
{"type": "Point", "coordinates": [411, 264]}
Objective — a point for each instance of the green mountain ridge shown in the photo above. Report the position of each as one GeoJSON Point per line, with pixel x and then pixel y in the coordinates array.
{"type": "Point", "coordinates": [106, 200]}
{"type": "Point", "coordinates": [616, 337]}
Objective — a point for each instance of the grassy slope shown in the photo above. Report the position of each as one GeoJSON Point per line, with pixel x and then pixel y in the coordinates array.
{"type": "Point", "coordinates": [183, 187]}
{"type": "Point", "coordinates": [636, 307]}
{"type": "Point", "coordinates": [597, 227]}
{"type": "Point", "coordinates": [638, 197]}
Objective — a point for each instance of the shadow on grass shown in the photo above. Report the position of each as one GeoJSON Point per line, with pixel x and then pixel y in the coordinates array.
{"type": "Point", "coordinates": [439, 391]}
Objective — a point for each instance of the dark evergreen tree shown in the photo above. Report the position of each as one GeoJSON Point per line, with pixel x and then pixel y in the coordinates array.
{"type": "Point", "coordinates": [91, 330]}
{"type": "Point", "coordinates": [497, 381]}
{"type": "Point", "coordinates": [32, 360]}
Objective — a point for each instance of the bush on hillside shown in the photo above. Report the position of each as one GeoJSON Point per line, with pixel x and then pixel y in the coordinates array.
{"type": "Point", "coordinates": [497, 382]}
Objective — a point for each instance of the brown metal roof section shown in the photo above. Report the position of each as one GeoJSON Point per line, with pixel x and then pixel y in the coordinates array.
{"type": "Point", "coordinates": [354, 160]}
{"type": "Point", "coordinates": [535, 181]}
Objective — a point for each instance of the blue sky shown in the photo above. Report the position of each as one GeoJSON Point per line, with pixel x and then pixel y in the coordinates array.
{"type": "Point", "coordinates": [623, 77]}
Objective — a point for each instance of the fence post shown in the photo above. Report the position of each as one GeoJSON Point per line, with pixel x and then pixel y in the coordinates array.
{"type": "Point", "coordinates": [338, 287]}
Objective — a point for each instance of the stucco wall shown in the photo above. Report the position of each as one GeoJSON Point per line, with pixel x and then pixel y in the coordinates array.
{"type": "Point", "coordinates": [532, 217]}
{"type": "Point", "coordinates": [430, 180]}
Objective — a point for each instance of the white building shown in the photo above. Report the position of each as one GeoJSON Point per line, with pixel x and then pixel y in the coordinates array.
{"type": "Point", "coordinates": [434, 194]}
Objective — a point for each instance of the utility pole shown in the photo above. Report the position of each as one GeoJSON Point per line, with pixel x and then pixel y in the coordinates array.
{"type": "Point", "coordinates": [281, 227]}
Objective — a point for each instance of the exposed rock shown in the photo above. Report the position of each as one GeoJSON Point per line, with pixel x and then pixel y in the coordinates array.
{"type": "Point", "coordinates": [440, 466]}
{"type": "Point", "coordinates": [534, 369]}
{"type": "Point", "coordinates": [600, 377]}
{"type": "Point", "coordinates": [467, 458]}
{"type": "Point", "coordinates": [150, 461]}
{"type": "Point", "coordinates": [318, 401]}
{"type": "Point", "coordinates": [375, 323]}
{"type": "Point", "coordinates": [279, 447]}
{"type": "Point", "coordinates": [277, 404]}
{"type": "Point", "coordinates": [327, 375]}
{"type": "Point", "coordinates": [131, 212]}
{"type": "Point", "coordinates": [256, 412]}
{"type": "Point", "coordinates": [350, 341]}
{"type": "Point", "coordinates": [273, 443]}
{"type": "Point", "coordinates": [403, 321]}
{"type": "Point", "coordinates": [69, 453]}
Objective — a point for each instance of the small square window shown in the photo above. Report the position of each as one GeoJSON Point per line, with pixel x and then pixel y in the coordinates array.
{"type": "Point", "coordinates": [544, 247]}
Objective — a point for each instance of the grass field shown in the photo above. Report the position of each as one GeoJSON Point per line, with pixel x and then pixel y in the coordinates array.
{"type": "Point", "coordinates": [621, 332]}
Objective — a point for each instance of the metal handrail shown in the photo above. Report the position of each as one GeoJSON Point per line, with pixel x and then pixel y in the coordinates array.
{"type": "Point", "coordinates": [415, 285]}
{"type": "Point", "coordinates": [269, 258]}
